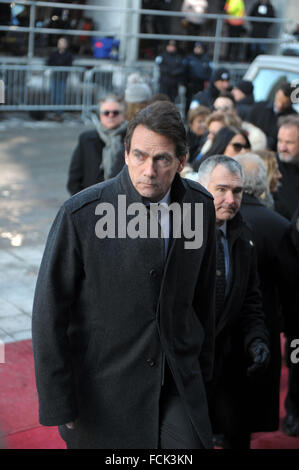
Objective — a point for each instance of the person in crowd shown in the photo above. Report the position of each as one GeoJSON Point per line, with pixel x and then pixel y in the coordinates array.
{"type": "Point", "coordinates": [273, 175]}
{"type": "Point", "coordinates": [229, 141]}
{"type": "Point", "coordinates": [98, 155]}
{"type": "Point", "coordinates": [197, 129]}
{"type": "Point", "coordinates": [172, 69]}
{"type": "Point", "coordinates": [286, 203]}
{"type": "Point", "coordinates": [287, 196]}
{"type": "Point", "coordinates": [60, 57]}
{"type": "Point", "coordinates": [265, 114]}
{"type": "Point", "coordinates": [137, 95]}
{"type": "Point", "coordinates": [260, 29]}
{"type": "Point", "coordinates": [241, 342]}
{"type": "Point", "coordinates": [219, 82]}
{"type": "Point", "coordinates": [215, 121]}
{"type": "Point", "coordinates": [226, 103]}
{"type": "Point", "coordinates": [242, 91]}
{"type": "Point", "coordinates": [236, 10]}
{"type": "Point", "coordinates": [197, 71]}
{"type": "Point", "coordinates": [126, 354]}
{"type": "Point", "coordinates": [278, 263]}
{"type": "Point", "coordinates": [192, 23]}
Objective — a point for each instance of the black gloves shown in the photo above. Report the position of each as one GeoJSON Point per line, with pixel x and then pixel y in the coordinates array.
{"type": "Point", "coordinates": [259, 355]}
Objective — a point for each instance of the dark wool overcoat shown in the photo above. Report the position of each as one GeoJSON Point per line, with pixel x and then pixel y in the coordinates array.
{"type": "Point", "coordinates": [239, 323]}
{"type": "Point", "coordinates": [108, 311]}
{"type": "Point", "coordinates": [278, 262]}
{"type": "Point", "coordinates": [85, 167]}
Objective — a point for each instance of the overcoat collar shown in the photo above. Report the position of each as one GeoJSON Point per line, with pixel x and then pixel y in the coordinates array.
{"type": "Point", "coordinates": [125, 186]}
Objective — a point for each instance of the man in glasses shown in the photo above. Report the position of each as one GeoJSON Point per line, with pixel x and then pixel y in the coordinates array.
{"type": "Point", "coordinates": [98, 155]}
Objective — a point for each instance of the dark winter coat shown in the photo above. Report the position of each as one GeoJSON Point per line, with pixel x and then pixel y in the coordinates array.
{"type": "Point", "coordinates": [262, 115]}
{"type": "Point", "coordinates": [240, 322]}
{"type": "Point", "coordinates": [243, 106]}
{"type": "Point", "coordinates": [171, 67]}
{"type": "Point", "coordinates": [85, 167]}
{"type": "Point", "coordinates": [259, 29]}
{"type": "Point", "coordinates": [287, 196]}
{"type": "Point", "coordinates": [107, 311]}
{"type": "Point", "coordinates": [207, 96]}
{"type": "Point", "coordinates": [198, 69]}
{"type": "Point", "coordinates": [277, 265]}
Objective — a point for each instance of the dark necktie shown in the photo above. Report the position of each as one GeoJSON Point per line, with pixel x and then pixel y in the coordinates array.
{"type": "Point", "coordinates": [220, 275]}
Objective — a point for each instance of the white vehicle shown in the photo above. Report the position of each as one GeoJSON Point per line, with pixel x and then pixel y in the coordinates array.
{"type": "Point", "coordinates": [267, 72]}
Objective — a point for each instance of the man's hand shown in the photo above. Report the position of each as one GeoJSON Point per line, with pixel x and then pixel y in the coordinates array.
{"type": "Point", "coordinates": [259, 354]}
{"type": "Point", "coordinates": [70, 425]}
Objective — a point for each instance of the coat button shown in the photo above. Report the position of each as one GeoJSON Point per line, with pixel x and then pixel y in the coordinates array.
{"type": "Point", "coordinates": [151, 362]}
{"type": "Point", "coordinates": [153, 273]}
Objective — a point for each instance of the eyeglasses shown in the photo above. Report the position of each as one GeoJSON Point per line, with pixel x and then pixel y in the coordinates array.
{"type": "Point", "coordinates": [114, 112]}
{"type": "Point", "coordinates": [238, 146]}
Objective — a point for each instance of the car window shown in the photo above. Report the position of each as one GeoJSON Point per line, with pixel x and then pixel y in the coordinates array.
{"type": "Point", "coordinates": [267, 80]}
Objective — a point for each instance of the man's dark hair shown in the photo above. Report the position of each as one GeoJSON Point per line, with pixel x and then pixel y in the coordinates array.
{"type": "Point", "coordinates": [286, 88]}
{"type": "Point", "coordinates": [163, 118]}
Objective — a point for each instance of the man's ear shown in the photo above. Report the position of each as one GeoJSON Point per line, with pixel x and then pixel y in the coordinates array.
{"type": "Point", "coordinates": [126, 157]}
{"type": "Point", "coordinates": [182, 163]}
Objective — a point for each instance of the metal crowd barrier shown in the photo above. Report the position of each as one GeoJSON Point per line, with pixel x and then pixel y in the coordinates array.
{"type": "Point", "coordinates": [45, 88]}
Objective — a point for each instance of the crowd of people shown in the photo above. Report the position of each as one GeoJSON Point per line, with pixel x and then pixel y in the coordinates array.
{"type": "Point", "coordinates": [137, 354]}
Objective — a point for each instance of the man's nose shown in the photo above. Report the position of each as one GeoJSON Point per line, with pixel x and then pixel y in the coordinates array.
{"type": "Point", "coordinates": [149, 168]}
{"type": "Point", "coordinates": [229, 197]}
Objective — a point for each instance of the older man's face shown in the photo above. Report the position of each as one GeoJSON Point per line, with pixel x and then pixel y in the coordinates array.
{"type": "Point", "coordinates": [288, 143]}
{"type": "Point", "coordinates": [111, 114]}
{"type": "Point", "coordinates": [227, 190]}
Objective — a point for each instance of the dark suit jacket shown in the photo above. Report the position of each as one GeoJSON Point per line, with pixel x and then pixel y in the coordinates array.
{"type": "Point", "coordinates": [241, 321]}
{"type": "Point", "coordinates": [107, 311]}
{"type": "Point", "coordinates": [85, 167]}
{"type": "Point", "coordinates": [287, 196]}
{"type": "Point", "coordinates": [277, 265]}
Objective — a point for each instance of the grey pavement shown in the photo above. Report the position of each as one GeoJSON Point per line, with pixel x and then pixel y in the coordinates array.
{"type": "Point", "coordinates": [34, 160]}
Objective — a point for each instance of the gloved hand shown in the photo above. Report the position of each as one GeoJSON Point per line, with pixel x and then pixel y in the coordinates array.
{"type": "Point", "coordinates": [259, 355]}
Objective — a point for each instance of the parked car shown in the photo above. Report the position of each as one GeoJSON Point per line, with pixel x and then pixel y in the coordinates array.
{"type": "Point", "coordinates": [267, 72]}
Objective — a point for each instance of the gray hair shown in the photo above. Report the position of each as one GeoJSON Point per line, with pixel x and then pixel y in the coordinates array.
{"type": "Point", "coordinates": [112, 98]}
{"type": "Point", "coordinates": [255, 174]}
{"type": "Point", "coordinates": [289, 121]}
{"type": "Point", "coordinates": [207, 166]}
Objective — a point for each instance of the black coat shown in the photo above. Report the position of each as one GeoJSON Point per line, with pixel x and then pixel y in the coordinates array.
{"type": "Point", "coordinates": [259, 29]}
{"type": "Point", "coordinates": [287, 196]}
{"type": "Point", "coordinates": [85, 167]}
{"type": "Point", "coordinates": [277, 264]}
{"type": "Point", "coordinates": [241, 321]}
{"type": "Point", "coordinates": [104, 312]}
{"type": "Point", "coordinates": [262, 115]}
{"type": "Point", "coordinates": [207, 96]}
{"type": "Point", "coordinates": [243, 106]}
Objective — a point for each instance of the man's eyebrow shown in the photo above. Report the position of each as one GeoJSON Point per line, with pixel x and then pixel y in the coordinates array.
{"type": "Point", "coordinates": [227, 186]}
{"type": "Point", "coordinates": [157, 155]}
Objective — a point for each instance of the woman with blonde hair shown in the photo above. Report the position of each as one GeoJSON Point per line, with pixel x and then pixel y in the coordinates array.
{"type": "Point", "coordinates": [273, 174]}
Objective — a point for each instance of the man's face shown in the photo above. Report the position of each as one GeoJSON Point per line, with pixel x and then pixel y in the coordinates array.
{"type": "Point", "coordinates": [288, 143]}
{"type": "Point", "coordinates": [152, 163]}
{"type": "Point", "coordinates": [281, 101]}
{"type": "Point", "coordinates": [111, 114]}
{"type": "Point", "coordinates": [227, 189]}
{"type": "Point", "coordinates": [221, 85]}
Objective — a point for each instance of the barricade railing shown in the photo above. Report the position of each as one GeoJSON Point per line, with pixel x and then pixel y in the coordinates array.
{"type": "Point", "coordinates": [48, 88]}
{"type": "Point", "coordinates": [62, 89]}
{"type": "Point", "coordinates": [129, 33]}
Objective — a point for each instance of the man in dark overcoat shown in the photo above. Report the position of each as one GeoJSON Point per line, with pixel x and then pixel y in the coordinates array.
{"type": "Point", "coordinates": [99, 153]}
{"type": "Point", "coordinates": [123, 322]}
{"type": "Point", "coordinates": [278, 265]}
{"type": "Point", "coordinates": [241, 337]}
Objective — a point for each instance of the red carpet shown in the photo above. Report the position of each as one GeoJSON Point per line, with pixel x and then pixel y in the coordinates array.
{"type": "Point", "coordinates": [19, 409]}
